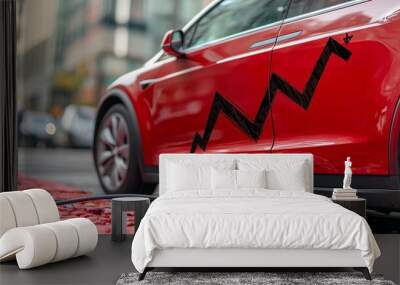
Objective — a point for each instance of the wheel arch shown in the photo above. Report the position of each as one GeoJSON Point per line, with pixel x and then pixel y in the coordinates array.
{"type": "Point", "coordinates": [113, 97]}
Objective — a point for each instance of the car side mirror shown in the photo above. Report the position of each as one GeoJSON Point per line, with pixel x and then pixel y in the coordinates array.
{"type": "Point", "coordinates": [172, 43]}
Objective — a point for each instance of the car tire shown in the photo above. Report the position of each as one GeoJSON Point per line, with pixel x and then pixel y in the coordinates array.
{"type": "Point", "coordinates": [116, 159]}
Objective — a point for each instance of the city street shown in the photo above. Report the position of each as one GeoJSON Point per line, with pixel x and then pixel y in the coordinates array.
{"type": "Point", "coordinates": [72, 167]}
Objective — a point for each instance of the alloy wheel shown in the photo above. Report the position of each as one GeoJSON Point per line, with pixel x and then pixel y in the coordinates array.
{"type": "Point", "coordinates": [113, 152]}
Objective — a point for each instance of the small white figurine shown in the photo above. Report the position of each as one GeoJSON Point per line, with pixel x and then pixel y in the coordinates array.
{"type": "Point", "coordinates": [347, 174]}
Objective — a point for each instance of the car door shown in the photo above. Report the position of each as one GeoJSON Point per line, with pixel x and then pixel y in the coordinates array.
{"type": "Point", "coordinates": [208, 100]}
{"type": "Point", "coordinates": [328, 98]}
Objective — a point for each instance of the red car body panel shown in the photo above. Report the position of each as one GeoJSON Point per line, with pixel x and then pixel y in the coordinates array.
{"type": "Point", "coordinates": [185, 94]}
{"type": "Point", "coordinates": [353, 111]}
{"type": "Point", "coordinates": [355, 101]}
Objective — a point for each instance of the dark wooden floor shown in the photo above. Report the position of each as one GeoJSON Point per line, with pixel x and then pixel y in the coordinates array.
{"type": "Point", "coordinates": [110, 259]}
{"type": "Point", "coordinates": [103, 266]}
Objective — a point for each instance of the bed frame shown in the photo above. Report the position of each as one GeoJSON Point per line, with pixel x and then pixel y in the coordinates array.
{"type": "Point", "coordinates": [245, 258]}
{"type": "Point", "coordinates": [242, 259]}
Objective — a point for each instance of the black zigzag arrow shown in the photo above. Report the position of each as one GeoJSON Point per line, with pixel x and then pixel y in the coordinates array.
{"type": "Point", "coordinates": [254, 129]}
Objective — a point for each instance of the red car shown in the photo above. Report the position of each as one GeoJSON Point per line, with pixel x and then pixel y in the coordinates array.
{"type": "Point", "coordinates": [251, 76]}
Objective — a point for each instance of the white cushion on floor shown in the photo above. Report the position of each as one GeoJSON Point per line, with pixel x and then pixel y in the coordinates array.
{"type": "Point", "coordinates": [23, 208]}
{"type": "Point", "coordinates": [37, 245]}
{"type": "Point", "coordinates": [87, 235]}
{"type": "Point", "coordinates": [7, 218]}
{"type": "Point", "coordinates": [34, 244]}
{"type": "Point", "coordinates": [67, 240]}
{"type": "Point", "coordinates": [45, 205]}
{"type": "Point", "coordinates": [26, 208]}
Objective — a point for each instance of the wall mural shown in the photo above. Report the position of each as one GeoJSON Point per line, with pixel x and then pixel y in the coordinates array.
{"type": "Point", "coordinates": [276, 83]}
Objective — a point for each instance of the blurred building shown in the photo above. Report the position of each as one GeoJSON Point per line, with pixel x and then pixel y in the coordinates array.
{"type": "Point", "coordinates": [70, 50]}
{"type": "Point", "coordinates": [93, 39]}
{"type": "Point", "coordinates": [98, 40]}
{"type": "Point", "coordinates": [172, 14]}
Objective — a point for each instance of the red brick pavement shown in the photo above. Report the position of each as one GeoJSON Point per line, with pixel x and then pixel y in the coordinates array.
{"type": "Point", "coordinates": [99, 211]}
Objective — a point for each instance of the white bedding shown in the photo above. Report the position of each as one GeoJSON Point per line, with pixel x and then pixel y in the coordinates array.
{"type": "Point", "coordinates": [251, 218]}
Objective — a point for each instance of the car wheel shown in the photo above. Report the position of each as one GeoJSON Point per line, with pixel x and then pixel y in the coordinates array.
{"type": "Point", "coordinates": [115, 158]}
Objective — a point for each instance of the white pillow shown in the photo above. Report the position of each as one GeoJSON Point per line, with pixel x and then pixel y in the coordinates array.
{"type": "Point", "coordinates": [223, 179]}
{"type": "Point", "coordinates": [182, 177]}
{"type": "Point", "coordinates": [251, 178]}
{"type": "Point", "coordinates": [187, 174]}
{"type": "Point", "coordinates": [281, 175]}
{"type": "Point", "coordinates": [288, 178]}
{"type": "Point", "coordinates": [227, 179]}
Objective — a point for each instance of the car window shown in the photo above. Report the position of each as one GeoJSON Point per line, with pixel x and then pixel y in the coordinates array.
{"type": "Point", "coordinates": [299, 7]}
{"type": "Point", "coordinates": [231, 17]}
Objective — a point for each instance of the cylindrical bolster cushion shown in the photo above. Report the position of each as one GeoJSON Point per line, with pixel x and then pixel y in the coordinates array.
{"type": "Point", "coordinates": [23, 208]}
{"type": "Point", "coordinates": [87, 235]}
{"type": "Point", "coordinates": [7, 218]}
{"type": "Point", "coordinates": [45, 205]}
{"type": "Point", "coordinates": [33, 246]}
{"type": "Point", "coordinates": [67, 240]}
{"type": "Point", "coordinates": [41, 244]}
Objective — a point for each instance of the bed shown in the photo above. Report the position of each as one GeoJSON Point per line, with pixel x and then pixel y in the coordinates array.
{"type": "Point", "coordinates": [246, 211]}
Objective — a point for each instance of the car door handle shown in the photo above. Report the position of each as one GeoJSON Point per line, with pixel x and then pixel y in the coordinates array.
{"type": "Point", "coordinates": [146, 83]}
{"type": "Point", "coordinates": [269, 41]}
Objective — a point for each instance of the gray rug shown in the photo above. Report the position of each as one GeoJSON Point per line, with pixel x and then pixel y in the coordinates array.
{"type": "Point", "coordinates": [232, 278]}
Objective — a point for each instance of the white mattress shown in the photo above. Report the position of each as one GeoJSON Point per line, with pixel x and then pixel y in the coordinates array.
{"type": "Point", "coordinates": [251, 219]}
